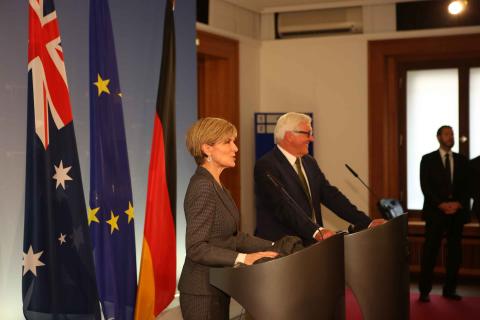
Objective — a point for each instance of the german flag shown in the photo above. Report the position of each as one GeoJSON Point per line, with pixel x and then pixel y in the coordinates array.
{"type": "Point", "coordinates": [156, 286]}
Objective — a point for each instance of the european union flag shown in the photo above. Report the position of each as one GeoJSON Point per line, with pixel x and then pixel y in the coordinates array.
{"type": "Point", "coordinates": [58, 275]}
{"type": "Point", "coordinates": [111, 212]}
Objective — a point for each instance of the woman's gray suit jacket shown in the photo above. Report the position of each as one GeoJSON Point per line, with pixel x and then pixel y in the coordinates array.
{"type": "Point", "coordinates": [213, 238]}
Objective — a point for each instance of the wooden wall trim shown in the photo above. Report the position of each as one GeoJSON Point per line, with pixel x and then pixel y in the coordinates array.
{"type": "Point", "coordinates": [216, 46]}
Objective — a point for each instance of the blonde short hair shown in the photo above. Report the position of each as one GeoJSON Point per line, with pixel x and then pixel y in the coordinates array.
{"type": "Point", "coordinates": [207, 131]}
{"type": "Point", "coordinates": [289, 122]}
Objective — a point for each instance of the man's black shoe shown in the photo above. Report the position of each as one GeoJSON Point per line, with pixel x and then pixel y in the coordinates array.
{"type": "Point", "coordinates": [424, 298]}
{"type": "Point", "coordinates": [452, 296]}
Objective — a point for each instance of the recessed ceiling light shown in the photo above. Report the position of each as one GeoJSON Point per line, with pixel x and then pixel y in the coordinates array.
{"type": "Point", "coordinates": [457, 6]}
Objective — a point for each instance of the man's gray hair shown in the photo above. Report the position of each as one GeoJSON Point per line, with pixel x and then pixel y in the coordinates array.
{"type": "Point", "coordinates": [289, 122]}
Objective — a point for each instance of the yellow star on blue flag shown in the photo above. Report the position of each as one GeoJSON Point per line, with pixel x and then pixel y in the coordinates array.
{"type": "Point", "coordinates": [102, 85]}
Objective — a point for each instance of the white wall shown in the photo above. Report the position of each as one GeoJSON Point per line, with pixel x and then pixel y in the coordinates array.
{"type": "Point", "coordinates": [249, 103]}
{"type": "Point", "coordinates": [229, 17]}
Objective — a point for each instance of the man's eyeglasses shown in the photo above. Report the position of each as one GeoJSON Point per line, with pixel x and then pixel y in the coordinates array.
{"type": "Point", "coordinates": [308, 134]}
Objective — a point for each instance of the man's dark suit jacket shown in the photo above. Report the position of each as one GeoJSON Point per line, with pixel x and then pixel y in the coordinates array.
{"type": "Point", "coordinates": [277, 217]}
{"type": "Point", "coordinates": [213, 238]}
{"type": "Point", "coordinates": [475, 182]}
{"type": "Point", "coordinates": [433, 180]}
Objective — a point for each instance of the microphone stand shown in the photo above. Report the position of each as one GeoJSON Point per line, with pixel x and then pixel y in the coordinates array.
{"type": "Point", "coordinates": [384, 207]}
{"type": "Point", "coordinates": [360, 179]}
{"type": "Point", "coordinates": [289, 198]}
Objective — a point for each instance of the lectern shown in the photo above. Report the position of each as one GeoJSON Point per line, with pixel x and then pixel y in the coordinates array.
{"type": "Point", "coordinates": [376, 269]}
{"type": "Point", "coordinates": [309, 284]}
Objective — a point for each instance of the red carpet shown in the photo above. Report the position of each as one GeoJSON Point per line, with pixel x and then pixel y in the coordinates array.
{"type": "Point", "coordinates": [438, 308]}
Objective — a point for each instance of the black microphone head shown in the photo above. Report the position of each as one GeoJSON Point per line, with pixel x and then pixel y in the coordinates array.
{"type": "Point", "coordinates": [351, 170]}
{"type": "Point", "coordinates": [351, 229]}
{"type": "Point", "coordinates": [272, 179]}
{"type": "Point", "coordinates": [269, 176]}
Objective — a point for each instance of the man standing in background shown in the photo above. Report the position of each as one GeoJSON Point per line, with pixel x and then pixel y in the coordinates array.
{"type": "Point", "coordinates": [444, 182]}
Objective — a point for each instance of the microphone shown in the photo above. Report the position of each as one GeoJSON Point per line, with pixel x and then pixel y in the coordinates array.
{"type": "Point", "coordinates": [273, 180]}
{"type": "Point", "coordinates": [353, 228]}
{"type": "Point", "coordinates": [290, 200]}
{"type": "Point", "coordinates": [389, 208]}
{"type": "Point", "coordinates": [366, 186]}
{"type": "Point", "coordinates": [351, 170]}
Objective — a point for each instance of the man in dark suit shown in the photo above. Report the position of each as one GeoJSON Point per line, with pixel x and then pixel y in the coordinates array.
{"type": "Point", "coordinates": [290, 166]}
{"type": "Point", "coordinates": [475, 185]}
{"type": "Point", "coordinates": [444, 182]}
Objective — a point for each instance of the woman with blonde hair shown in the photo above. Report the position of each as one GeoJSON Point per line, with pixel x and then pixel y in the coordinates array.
{"type": "Point", "coordinates": [213, 238]}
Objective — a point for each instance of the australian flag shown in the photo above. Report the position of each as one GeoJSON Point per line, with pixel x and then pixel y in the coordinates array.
{"type": "Point", "coordinates": [111, 213]}
{"type": "Point", "coordinates": [58, 278]}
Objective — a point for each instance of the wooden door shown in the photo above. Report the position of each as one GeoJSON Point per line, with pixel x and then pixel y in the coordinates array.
{"type": "Point", "coordinates": [217, 75]}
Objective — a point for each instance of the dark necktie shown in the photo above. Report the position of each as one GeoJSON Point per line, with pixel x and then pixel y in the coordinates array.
{"type": "Point", "coordinates": [448, 172]}
{"type": "Point", "coordinates": [303, 181]}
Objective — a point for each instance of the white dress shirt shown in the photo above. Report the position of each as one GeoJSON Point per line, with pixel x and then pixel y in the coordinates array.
{"type": "Point", "coordinates": [291, 159]}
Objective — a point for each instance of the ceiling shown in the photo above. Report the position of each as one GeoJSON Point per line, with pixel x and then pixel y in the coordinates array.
{"type": "Point", "coordinates": [261, 5]}
{"type": "Point", "coordinates": [287, 5]}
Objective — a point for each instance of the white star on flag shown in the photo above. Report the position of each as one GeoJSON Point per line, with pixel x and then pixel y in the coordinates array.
{"type": "Point", "coordinates": [61, 175]}
{"type": "Point", "coordinates": [31, 261]}
{"type": "Point", "coordinates": [62, 238]}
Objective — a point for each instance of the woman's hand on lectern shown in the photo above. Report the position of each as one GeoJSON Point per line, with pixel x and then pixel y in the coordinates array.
{"type": "Point", "coordinates": [250, 258]}
{"type": "Point", "coordinates": [376, 222]}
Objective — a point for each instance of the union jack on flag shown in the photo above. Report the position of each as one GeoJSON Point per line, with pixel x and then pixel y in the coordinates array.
{"type": "Point", "coordinates": [45, 62]}
{"type": "Point", "coordinates": [58, 278]}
